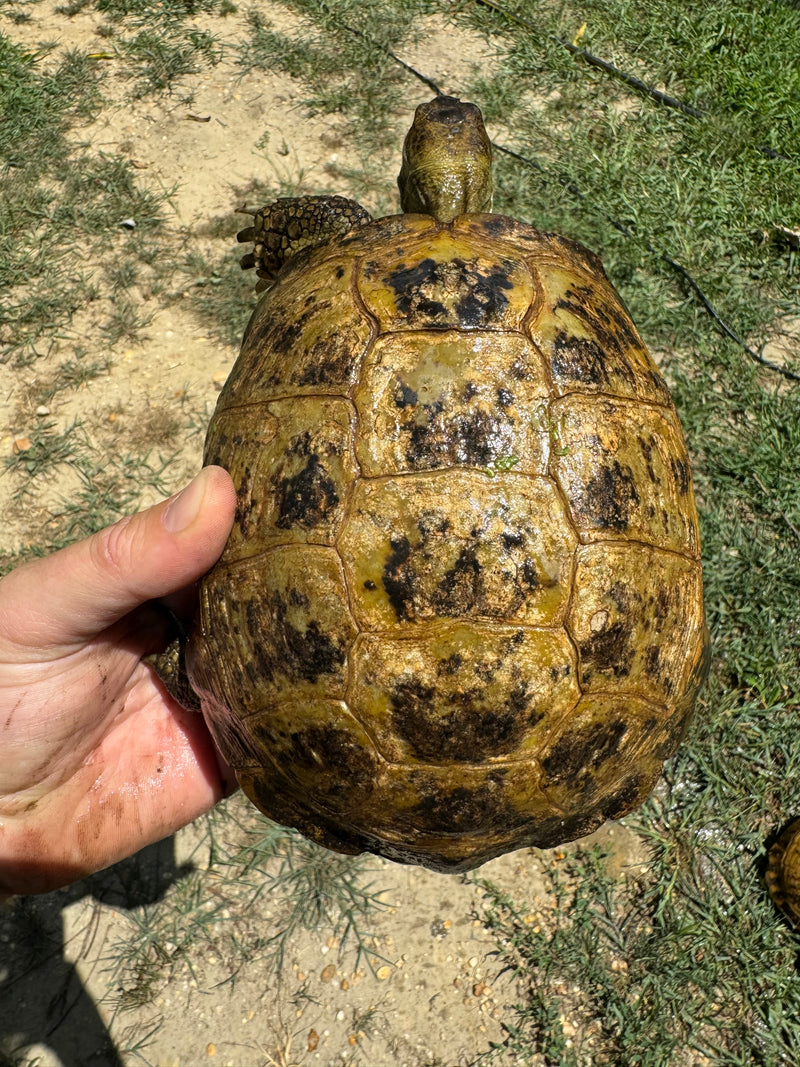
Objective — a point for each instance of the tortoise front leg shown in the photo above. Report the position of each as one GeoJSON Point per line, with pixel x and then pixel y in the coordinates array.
{"type": "Point", "coordinates": [284, 228]}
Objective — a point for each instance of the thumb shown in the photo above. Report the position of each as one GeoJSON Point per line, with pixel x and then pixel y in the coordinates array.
{"type": "Point", "coordinates": [74, 594]}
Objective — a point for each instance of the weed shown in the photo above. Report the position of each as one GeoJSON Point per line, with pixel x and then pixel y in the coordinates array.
{"type": "Point", "coordinates": [161, 57]}
{"type": "Point", "coordinates": [310, 889]}
{"type": "Point", "coordinates": [142, 960]}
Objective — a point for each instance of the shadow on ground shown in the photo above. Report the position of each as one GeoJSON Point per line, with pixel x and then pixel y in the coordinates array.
{"type": "Point", "coordinates": [42, 998]}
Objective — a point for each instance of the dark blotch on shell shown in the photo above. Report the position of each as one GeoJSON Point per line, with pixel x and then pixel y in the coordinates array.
{"type": "Point", "coordinates": [609, 324]}
{"type": "Point", "coordinates": [245, 505]}
{"type": "Point", "coordinates": [469, 731]}
{"type": "Point", "coordinates": [560, 828]}
{"type": "Point", "coordinates": [461, 810]}
{"type": "Point", "coordinates": [486, 298]}
{"type": "Point", "coordinates": [330, 361]}
{"type": "Point", "coordinates": [408, 283]}
{"type": "Point", "coordinates": [609, 651]}
{"type": "Point", "coordinates": [346, 765]}
{"type": "Point", "coordinates": [307, 497]}
{"type": "Point", "coordinates": [461, 440]}
{"type": "Point", "coordinates": [680, 472]}
{"type": "Point", "coordinates": [623, 799]}
{"type": "Point", "coordinates": [278, 647]}
{"type": "Point", "coordinates": [399, 577]}
{"type": "Point", "coordinates": [576, 752]}
{"type": "Point", "coordinates": [580, 359]}
{"type": "Point", "coordinates": [480, 297]}
{"type": "Point", "coordinates": [462, 587]}
{"type": "Point", "coordinates": [609, 497]}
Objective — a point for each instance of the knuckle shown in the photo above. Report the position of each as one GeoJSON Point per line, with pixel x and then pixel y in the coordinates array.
{"type": "Point", "coordinates": [112, 550]}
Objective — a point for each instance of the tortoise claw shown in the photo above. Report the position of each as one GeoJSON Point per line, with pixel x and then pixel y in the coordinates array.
{"type": "Point", "coordinates": [246, 235]}
{"type": "Point", "coordinates": [248, 261]}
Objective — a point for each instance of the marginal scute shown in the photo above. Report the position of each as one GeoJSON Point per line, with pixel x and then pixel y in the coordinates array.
{"type": "Point", "coordinates": [465, 692]}
{"type": "Point", "coordinates": [445, 399]}
{"type": "Point", "coordinates": [615, 462]}
{"type": "Point", "coordinates": [456, 545]}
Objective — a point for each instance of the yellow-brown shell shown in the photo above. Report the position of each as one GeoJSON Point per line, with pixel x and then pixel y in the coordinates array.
{"type": "Point", "coordinates": [783, 871]}
{"type": "Point", "coordinates": [460, 610]}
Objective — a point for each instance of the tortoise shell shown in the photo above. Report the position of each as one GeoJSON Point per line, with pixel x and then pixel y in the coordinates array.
{"type": "Point", "coordinates": [460, 611]}
{"type": "Point", "coordinates": [783, 871]}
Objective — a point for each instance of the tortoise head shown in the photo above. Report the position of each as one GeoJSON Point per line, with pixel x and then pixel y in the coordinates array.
{"type": "Point", "coordinates": [447, 161]}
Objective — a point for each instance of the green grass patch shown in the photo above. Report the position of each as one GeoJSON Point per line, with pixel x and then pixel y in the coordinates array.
{"type": "Point", "coordinates": [628, 974]}
{"type": "Point", "coordinates": [159, 42]}
{"type": "Point", "coordinates": [342, 58]}
{"type": "Point", "coordinates": [61, 205]}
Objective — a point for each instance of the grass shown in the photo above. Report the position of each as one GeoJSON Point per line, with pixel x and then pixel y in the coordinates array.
{"type": "Point", "coordinates": [61, 204]}
{"type": "Point", "coordinates": [214, 916]}
{"type": "Point", "coordinates": [687, 962]}
{"type": "Point", "coordinates": [67, 266]}
{"type": "Point", "coordinates": [313, 890]}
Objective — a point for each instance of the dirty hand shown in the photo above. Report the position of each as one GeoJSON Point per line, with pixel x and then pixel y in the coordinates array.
{"type": "Point", "coordinates": [96, 761]}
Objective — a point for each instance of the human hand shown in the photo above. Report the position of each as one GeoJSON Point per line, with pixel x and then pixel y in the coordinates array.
{"type": "Point", "coordinates": [96, 761]}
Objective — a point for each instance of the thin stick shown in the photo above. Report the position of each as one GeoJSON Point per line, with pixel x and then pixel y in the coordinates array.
{"type": "Point", "coordinates": [596, 61]}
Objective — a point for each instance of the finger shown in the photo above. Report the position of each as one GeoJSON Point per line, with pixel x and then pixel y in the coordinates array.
{"type": "Point", "coordinates": [76, 593]}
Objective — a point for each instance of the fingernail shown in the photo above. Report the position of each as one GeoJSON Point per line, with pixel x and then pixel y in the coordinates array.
{"type": "Point", "coordinates": [183, 509]}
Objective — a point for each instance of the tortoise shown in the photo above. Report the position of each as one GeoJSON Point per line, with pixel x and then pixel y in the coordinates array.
{"type": "Point", "coordinates": [783, 871]}
{"type": "Point", "coordinates": [460, 611]}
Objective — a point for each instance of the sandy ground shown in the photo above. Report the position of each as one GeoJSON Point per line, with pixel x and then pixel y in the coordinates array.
{"type": "Point", "coordinates": [429, 992]}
